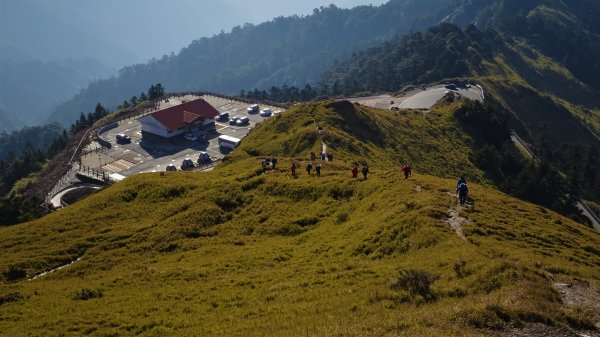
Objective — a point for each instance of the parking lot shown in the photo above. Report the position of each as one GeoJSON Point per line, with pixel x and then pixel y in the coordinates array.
{"type": "Point", "coordinates": [153, 153]}
{"type": "Point", "coordinates": [418, 98]}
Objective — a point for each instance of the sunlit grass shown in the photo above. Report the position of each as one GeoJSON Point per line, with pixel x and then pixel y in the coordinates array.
{"type": "Point", "coordinates": [232, 252]}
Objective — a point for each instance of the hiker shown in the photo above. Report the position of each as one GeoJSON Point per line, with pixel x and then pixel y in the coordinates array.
{"type": "Point", "coordinates": [462, 190]}
{"type": "Point", "coordinates": [354, 172]}
{"type": "Point", "coordinates": [265, 165]}
{"type": "Point", "coordinates": [293, 169]}
{"type": "Point", "coordinates": [308, 168]}
{"type": "Point", "coordinates": [313, 156]}
{"type": "Point", "coordinates": [322, 155]}
{"type": "Point", "coordinates": [273, 162]}
{"type": "Point", "coordinates": [365, 171]}
{"type": "Point", "coordinates": [406, 170]}
{"type": "Point", "coordinates": [318, 170]}
{"type": "Point", "coordinates": [330, 156]}
{"type": "Point", "coordinates": [461, 180]}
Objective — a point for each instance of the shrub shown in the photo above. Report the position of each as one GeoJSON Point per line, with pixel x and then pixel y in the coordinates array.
{"type": "Point", "coordinates": [12, 297]}
{"type": "Point", "coordinates": [459, 269]}
{"type": "Point", "coordinates": [341, 193]}
{"type": "Point", "coordinates": [491, 317]}
{"type": "Point", "coordinates": [86, 294]}
{"type": "Point", "coordinates": [307, 221]}
{"type": "Point", "coordinates": [15, 273]}
{"type": "Point", "coordinates": [416, 282]}
{"type": "Point", "coordinates": [341, 218]}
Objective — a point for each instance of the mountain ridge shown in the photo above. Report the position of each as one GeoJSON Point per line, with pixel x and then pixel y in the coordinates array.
{"type": "Point", "coordinates": [236, 251]}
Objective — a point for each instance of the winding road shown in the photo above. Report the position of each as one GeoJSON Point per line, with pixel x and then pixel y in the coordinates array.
{"type": "Point", "coordinates": [56, 200]}
{"type": "Point", "coordinates": [587, 212]}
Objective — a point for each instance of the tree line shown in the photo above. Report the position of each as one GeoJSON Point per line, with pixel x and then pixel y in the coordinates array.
{"type": "Point", "coordinates": [555, 186]}
{"type": "Point", "coordinates": [14, 166]}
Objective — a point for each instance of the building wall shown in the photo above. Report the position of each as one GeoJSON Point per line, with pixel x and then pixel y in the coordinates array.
{"type": "Point", "coordinates": [151, 125]}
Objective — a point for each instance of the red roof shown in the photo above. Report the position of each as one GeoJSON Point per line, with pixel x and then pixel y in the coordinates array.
{"type": "Point", "coordinates": [181, 115]}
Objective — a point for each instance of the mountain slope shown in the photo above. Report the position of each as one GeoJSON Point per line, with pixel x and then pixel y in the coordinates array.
{"type": "Point", "coordinates": [234, 252]}
{"type": "Point", "coordinates": [537, 89]}
{"type": "Point", "coordinates": [31, 89]}
{"type": "Point", "coordinates": [292, 50]}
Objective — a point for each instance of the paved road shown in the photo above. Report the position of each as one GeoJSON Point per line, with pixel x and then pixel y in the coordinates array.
{"type": "Point", "coordinates": [587, 212]}
{"type": "Point", "coordinates": [57, 198]}
{"type": "Point", "coordinates": [427, 98]}
{"type": "Point", "coordinates": [417, 98]}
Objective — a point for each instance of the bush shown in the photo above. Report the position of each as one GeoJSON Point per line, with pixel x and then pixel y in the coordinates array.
{"type": "Point", "coordinates": [12, 297]}
{"type": "Point", "coordinates": [416, 282]}
{"type": "Point", "coordinates": [86, 294]}
{"type": "Point", "coordinates": [459, 269]}
{"type": "Point", "coordinates": [15, 273]}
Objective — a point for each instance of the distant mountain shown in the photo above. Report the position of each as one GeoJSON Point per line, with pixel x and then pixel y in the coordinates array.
{"type": "Point", "coordinates": [539, 57]}
{"type": "Point", "coordinates": [7, 121]}
{"type": "Point", "coordinates": [294, 50]}
{"type": "Point", "coordinates": [537, 61]}
{"type": "Point", "coordinates": [44, 30]}
{"type": "Point", "coordinates": [46, 58]}
{"type": "Point", "coordinates": [30, 89]}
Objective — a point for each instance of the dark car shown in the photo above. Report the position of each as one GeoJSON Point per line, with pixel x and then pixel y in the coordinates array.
{"type": "Point", "coordinates": [451, 86]}
{"type": "Point", "coordinates": [223, 116]}
{"type": "Point", "coordinates": [203, 158]}
{"type": "Point", "coordinates": [123, 138]}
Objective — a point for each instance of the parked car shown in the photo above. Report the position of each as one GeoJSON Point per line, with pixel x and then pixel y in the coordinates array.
{"type": "Point", "coordinates": [254, 108]}
{"type": "Point", "coordinates": [123, 138]}
{"type": "Point", "coordinates": [233, 121]}
{"type": "Point", "coordinates": [223, 116]}
{"type": "Point", "coordinates": [203, 158]}
{"type": "Point", "coordinates": [451, 86]}
{"type": "Point", "coordinates": [187, 163]}
{"type": "Point", "coordinates": [266, 112]}
{"type": "Point", "coordinates": [243, 121]}
{"type": "Point", "coordinates": [276, 112]}
{"type": "Point", "coordinates": [191, 137]}
{"type": "Point", "coordinates": [171, 167]}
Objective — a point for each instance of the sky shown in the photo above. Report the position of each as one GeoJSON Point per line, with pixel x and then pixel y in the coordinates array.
{"type": "Point", "coordinates": [152, 28]}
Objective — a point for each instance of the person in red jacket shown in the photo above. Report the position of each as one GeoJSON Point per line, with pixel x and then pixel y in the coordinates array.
{"type": "Point", "coordinates": [293, 169]}
{"type": "Point", "coordinates": [406, 170]}
{"type": "Point", "coordinates": [354, 172]}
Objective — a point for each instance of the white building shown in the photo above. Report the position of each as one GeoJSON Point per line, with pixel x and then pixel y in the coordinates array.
{"type": "Point", "coordinates": [178, 119]}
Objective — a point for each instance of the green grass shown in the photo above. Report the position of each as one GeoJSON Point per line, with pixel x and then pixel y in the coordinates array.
{"type": "Point", "coordinates": [235, 253]}
{"type": "Point", "coordinates": [538, 90]}
{"type": "Point", "coordinates": [431, 142]}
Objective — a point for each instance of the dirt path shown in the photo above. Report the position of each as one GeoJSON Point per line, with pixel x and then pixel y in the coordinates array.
{"type": "Point", "coordinates": [53, 270]}
{"type": "Point", "coordinates": [456, 221]}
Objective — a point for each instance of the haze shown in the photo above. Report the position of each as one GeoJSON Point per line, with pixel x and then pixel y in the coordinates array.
{"type": "Point", "coordinates": [49, 50]}
{"type": "Point", "coordinates": [135, 30]}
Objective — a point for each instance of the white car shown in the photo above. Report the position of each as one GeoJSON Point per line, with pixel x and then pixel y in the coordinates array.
{"type": "Point", "coordinates": [243, 121]}
{"type": "Point", "coordinates": [265, 112]}
{"type": "Point", "coordinates": [191, 137]}
{"type": "Point", "coordinates": [276, 112]}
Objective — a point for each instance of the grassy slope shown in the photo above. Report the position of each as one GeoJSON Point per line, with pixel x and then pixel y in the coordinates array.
{"type": "Point", "coordinates": [230, 253]}
{"type": "Point", "coordinates": [540, 90]}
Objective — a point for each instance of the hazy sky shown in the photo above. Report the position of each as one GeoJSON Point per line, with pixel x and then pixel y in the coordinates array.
{"type": "Point", "coordinates": [152, 28]}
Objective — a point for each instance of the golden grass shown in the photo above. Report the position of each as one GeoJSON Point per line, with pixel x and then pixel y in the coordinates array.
{"type": "Point", "coordinates": [236, 253]}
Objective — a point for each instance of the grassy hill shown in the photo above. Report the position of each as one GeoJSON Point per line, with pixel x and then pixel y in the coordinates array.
{"type": "Point", "coordinates": [235, 252]}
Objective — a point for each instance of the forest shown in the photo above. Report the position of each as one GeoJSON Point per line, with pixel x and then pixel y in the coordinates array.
{"type": "Point", "coordinates": [294, 50]}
